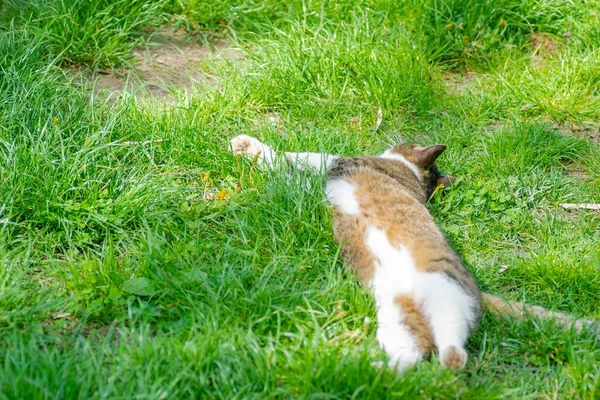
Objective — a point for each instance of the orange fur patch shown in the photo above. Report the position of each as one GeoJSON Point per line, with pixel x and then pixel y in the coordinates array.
{"type": "Point", "coordinates": [416, 322]}
{"type": "Point", "coordinates": [350, 231]}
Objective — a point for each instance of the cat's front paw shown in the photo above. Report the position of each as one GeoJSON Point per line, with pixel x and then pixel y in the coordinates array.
{"type": "Point", "coordinates": [253, 148]}
{"type": "Point", "coordinates": [244, 144]}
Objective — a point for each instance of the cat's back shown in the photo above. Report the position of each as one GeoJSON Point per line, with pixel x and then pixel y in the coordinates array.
{"type": "Point", "coordinates": [379, 211]}
{"type": "Point", "coordinates": [384, 192]}
{"type": "Point", "coordinates": [385, 175]}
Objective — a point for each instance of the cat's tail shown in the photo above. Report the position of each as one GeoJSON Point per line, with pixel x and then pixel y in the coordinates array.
{"type": "Point", "coordinates": [502, 307]}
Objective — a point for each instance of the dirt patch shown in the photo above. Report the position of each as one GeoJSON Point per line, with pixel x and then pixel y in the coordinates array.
{"type": "Point", "coordinates": [586, 131]}
{"type": "Point", "coordinates": [168, 61]}
{"type": "Point", "coordinates": [589, 131]}
{"type": "Point", "coordinates": [459, 83]}
{"type": "Point", "coordinates": [544, 47]}
{"type": "Point", "coordinates": [574, 171]}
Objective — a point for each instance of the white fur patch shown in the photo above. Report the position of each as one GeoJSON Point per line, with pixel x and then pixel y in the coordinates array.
{"type": "Point", "coordinates": [318, 161]}
{"type": "Point", "coordinates": [448, 308]}
{"type": "Point", "coordinates": [399, 157]}
{"type": "Point", "coordinates": [341, 194]}
{"type": "Point", "coordinates": [395, 274]}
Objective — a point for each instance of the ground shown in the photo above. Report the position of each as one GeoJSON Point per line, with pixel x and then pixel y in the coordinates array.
{"type": "Point", "coordinates": [141, 259]}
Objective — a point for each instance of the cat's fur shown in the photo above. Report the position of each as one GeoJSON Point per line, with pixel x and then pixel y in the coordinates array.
{"type": "Point", "coordinates": [425, 296]}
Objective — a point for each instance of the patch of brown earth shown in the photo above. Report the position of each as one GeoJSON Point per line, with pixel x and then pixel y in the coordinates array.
{"type": "Point", "coordinates": [169, 60]}
{"type": "Point", "coordinates": [590, 132]}
{"type": "Point", "coordinates": [544, 46]}
{"type": "Point", "coordinates": [459, 83]}
{"type": "Point", "coordinates": [574, 171]}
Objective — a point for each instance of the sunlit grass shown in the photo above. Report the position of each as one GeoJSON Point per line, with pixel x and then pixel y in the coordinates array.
{"type": "Point", "coordinates": [140, 259]}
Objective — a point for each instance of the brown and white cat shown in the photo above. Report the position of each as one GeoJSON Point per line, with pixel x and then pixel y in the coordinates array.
{"type": "Point", "coordinates": [425, 296]}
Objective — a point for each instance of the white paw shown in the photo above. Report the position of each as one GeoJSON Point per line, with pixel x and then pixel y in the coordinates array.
{"type": "Point", "coordinates": [453, 357]}
{"type": "Point", "coordinates": [252, 147]}
{"type": "Point", "coordinates": [244, 144]}
{"type": "Point", "coordinates": [399, 344]}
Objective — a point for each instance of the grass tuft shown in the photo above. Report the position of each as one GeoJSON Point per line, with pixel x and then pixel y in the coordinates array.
{"type": "Point", "coordinates": [139, 258]}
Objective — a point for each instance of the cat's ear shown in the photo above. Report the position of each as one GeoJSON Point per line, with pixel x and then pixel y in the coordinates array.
{"type": "Point", "coordinates": [425, 156]}
{"type": "Point", "coordinates": [446, 181]}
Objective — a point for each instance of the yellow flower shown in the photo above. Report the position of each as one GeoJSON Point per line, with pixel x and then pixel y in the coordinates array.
{"type": "Point", "coordinates": [222, 194]}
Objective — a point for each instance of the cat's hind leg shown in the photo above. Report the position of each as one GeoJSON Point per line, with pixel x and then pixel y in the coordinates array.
{"type": "Point", "coordinates": [396, 337]}
{"type": "Point", "coordinates": [399, 320]}
{"type": "Point", "coordinates": [451, 315]}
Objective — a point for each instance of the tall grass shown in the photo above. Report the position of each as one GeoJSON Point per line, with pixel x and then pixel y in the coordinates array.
{"type": "Point", "coordinates": [139, 258]}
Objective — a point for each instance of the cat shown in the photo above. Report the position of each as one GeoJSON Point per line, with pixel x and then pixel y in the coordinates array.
{"type": "Point", "coordinates": [425, 296]}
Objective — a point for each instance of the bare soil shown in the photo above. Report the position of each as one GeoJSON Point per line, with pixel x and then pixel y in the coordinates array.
{"type": "Point", "coordinates": [574, 171]}
{"type": "Point", "coordinates": [544, 46]}
{"type": "Point", "coordinates": [590, 132]}
{"type": "Point", "coordinates": [457, 83]}
{"type": "Point", "coordinates": [168, 61]}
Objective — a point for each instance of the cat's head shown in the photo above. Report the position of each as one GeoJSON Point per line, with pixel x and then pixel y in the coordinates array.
{"type": "Point", "coordinates": [424, 159]}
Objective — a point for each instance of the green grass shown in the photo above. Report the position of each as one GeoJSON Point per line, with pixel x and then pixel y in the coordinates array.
{"type": "Point", "coordinates": [174, 270]}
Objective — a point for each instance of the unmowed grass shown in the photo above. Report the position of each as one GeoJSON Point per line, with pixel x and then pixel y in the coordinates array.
{"type": "Point", "coordinates": [173, 269]}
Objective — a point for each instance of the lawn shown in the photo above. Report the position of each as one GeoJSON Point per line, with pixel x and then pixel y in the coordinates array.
{"type": "Point", "coordinates": [140, 259]}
